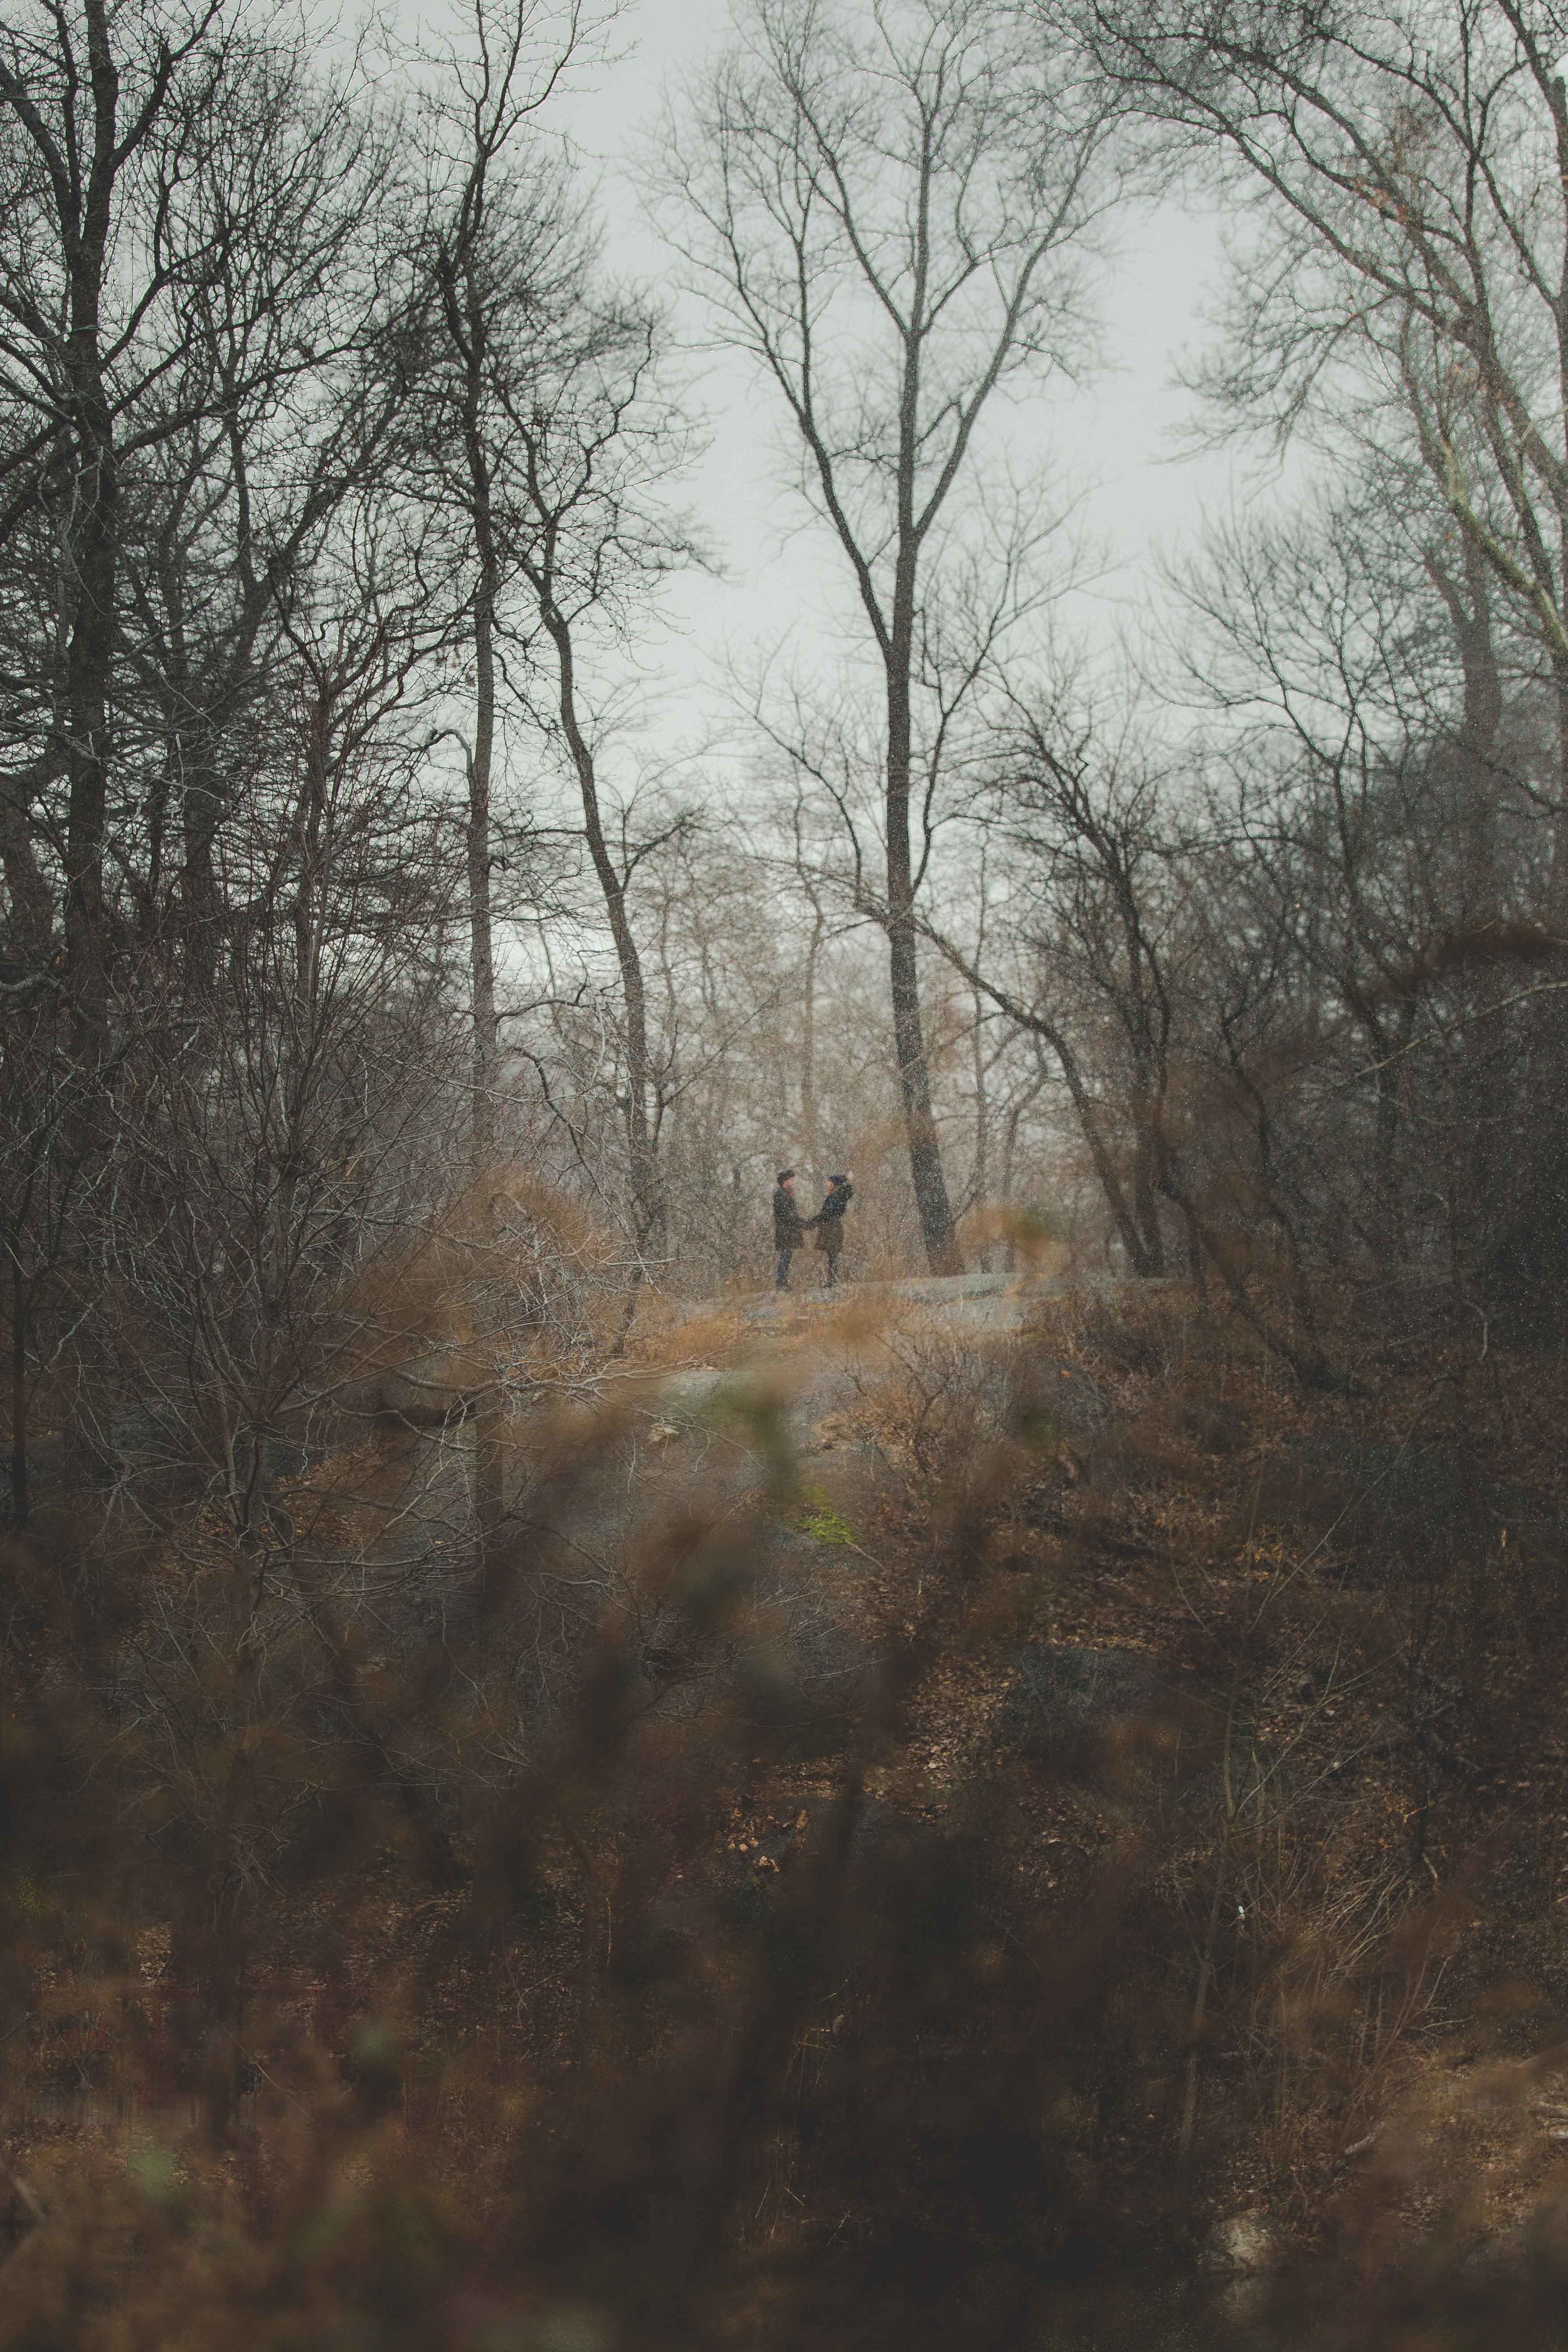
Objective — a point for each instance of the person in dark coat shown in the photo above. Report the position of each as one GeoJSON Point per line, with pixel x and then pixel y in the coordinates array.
{"type": "Point", "coordinates": [830, 1223]}
{"type": "Point", "coordinates": [789, 1227]}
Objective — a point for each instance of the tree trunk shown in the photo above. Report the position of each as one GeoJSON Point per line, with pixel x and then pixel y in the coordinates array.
{"type": "Point", "coordinates": [1557, 874]}
{"type": "Point", "coordinates": [909, 1036]}
{"type": "Point", "coordinates": [980, 1180]}
{"type": "Point", "coordinates": [481, 937]}
{"type": "Point", "coordinates": [1146, 1159]}
{"type": "Point", "coordinates": [88, 659]}
{"type": "Point", "coordinates": [92, 558]}
{"type": "Point", "coordinates": [490, 1455]}
{"type": "Point", "coordinates": [1469, 615]}
{"type": "Point", "coordinates": [18, 1386]}
{"type": "Point", "coordinates": [467, 323]}
{"type": "Point", "coordinates": [647, 1201]}
{"type": "Point", "coordinates": [808, 1043]}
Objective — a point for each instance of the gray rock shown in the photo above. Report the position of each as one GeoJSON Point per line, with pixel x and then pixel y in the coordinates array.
{"type": "Point", "coordinates": [943, 1289]}
{"type": "Point", "coordinates": [687, 1398]}
{"type": "Point", "coordinates": [1242, 2243]}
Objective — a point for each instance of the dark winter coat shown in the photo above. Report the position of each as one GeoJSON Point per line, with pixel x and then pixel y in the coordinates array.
{"type": "Point", "coordinates": [789, 1225]}
{"type": "Point", "coordinates": [829, 1219]}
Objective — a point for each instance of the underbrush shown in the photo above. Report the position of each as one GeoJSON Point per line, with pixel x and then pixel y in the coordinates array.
{"type": "Point", "coordinates": [899, 1860]}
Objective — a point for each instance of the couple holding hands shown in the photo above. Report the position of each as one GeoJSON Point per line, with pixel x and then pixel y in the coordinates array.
{"type": "Point", "coordinates": [790, 1228]}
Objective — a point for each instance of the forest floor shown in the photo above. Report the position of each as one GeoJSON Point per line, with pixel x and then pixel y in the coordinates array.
{"type": "Point", "coordinates": [1200, 1741]}
{"type": "Point", "coordinates": [1119, 1529]}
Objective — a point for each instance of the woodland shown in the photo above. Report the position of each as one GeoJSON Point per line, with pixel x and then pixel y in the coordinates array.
{"type": "Point", "coordinates": [553, 1798]}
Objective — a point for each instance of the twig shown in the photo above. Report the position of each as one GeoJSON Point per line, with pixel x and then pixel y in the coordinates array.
{"type": "Point", "coordinates": [1440, 1035]}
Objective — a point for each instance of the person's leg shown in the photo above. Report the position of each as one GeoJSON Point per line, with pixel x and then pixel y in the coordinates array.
{"type": "Point", "coordinates": [781, 1269]}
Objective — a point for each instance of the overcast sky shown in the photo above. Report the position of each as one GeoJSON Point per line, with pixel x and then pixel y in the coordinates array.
{"type": "Point", "coordinates": [1113, 441]}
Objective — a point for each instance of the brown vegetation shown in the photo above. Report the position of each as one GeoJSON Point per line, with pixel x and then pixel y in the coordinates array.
{"type": "Point", "coordinates": [905, 1861]}
{"type": "Point", "coordinates": [552, 1798]}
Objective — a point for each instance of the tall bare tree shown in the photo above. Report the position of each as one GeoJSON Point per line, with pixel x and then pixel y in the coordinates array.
{"type": "Point", "coordinates": [589, 455]}
{"type": "Point", "coordinates": [1404, 277]}
{"type": "Point", "coordinates": [504, 241]}
{"type": "Point", "coordinates": [187, 263]}
{"type": "Point", "coordinates": [543, 435]}
{"type": "Point", "coordinates": [94, 102]}
{"type": "Point", "coordinates": [886, 207]}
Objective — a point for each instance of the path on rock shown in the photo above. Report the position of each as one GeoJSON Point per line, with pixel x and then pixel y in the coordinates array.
{"type": "Point", "coordinates": [817, 1348]}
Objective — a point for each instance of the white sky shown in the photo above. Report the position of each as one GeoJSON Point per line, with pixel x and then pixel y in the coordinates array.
{"type": "Point", "coordinates": [1113, 441]}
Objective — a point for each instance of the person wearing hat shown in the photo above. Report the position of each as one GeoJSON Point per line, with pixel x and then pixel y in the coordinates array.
{"type": "Point", "coordinates": [789, 1227]}
{"type": "Point", "coordinates": [830, 1223]}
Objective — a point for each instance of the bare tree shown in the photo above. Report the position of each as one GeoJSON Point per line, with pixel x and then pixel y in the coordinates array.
{"type": "Point", "coordinates": [1404, 275]}
{"type": "Point", "coordinates": [541, 434]}
{"type": "Point", "coordinates": [93, 102]}
{"type": "Point", "coordinates": [1089, 931]}
{"type": "Point", "coordinates": [1383, 791]}
{"type": "Point", "coordinates": [195, 375]}
{"type": "Point", "coordinates": [593, 440]}
{"type": "Point", "coordinates": [495, 297]}
{"type": "Point", "coordinates": [886, 207]}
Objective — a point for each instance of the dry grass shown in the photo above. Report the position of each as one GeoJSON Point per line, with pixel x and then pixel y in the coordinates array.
{"type": "Point", "coordinates": [686, 1945]}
